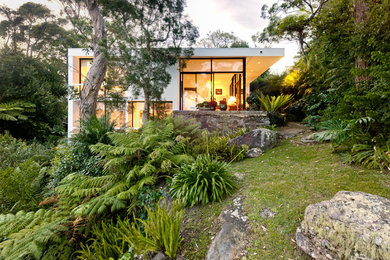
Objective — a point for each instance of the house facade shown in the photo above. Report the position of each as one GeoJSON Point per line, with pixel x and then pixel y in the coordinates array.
{"type": "Point", "coordinates": [218, 74]}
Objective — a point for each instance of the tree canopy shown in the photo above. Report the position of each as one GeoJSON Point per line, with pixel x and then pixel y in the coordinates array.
{"type": "Point", "coordinates": [145, 38]}
{"type": "Point", "coordinates": [291, 20]}
{"type": "Point", "coordinates": [220, 39]}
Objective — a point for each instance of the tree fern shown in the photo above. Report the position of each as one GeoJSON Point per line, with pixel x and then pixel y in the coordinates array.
{"type": "Point", "coordinates": [29, 234]}
{"type": "Point", "coordinates": [131, 161]}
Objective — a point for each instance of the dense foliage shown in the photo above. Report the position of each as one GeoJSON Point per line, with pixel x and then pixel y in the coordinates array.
{"type": "Point", "coordinates": [341, 90]}
{"type": "Point", "coordinates": [343, 71]}
{"type": "Point", "coordinates": [39, 85]}
{"type": "Point", "coordinates": [23, 172]}
{"type": "Point", "coordinates": [217, 146]}
{"type": "Point", "coordinates": [120, 181]}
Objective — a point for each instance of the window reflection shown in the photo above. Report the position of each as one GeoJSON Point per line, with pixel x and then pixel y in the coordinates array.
{"type": "Point", "coordinates": [227, 65]}
{"type": "Point", "coordinates": [199, 65]}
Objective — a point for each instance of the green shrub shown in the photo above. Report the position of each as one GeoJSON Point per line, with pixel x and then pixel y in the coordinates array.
{"type": "Point", "coordinates": [77, 157]}
{"type": "Point", "coordinates": [31, 80]}
{"type": "Point", "coordinates": [94, 130]}
{"type": "Point", "coordinates": [206, 180]}
{"type": "Point", "coordinates": [107, 241]}
{"type": "Point", "coordinates": [371, 156]}
{"type": "Point", "coordinates": [132, 160]}
{"type": "Point", "coordinates": [296, 111]}
{"type": "Point", "coordinates": [14, 151]}
{"type": "Point", "coordinates": [217, 146]}
{"type": "Point", "coordinates": [347, 132]}
{"type": "Point", "coordinates": [20, 187]}
{"type": "Point", "coordinates": [148, 197]}
{"type": "Point", "coordinates": [160, 232]}
{"type": "Point", "coordinates": [34, 235]}
{"type": "Point", "coordinates": [187, 128]}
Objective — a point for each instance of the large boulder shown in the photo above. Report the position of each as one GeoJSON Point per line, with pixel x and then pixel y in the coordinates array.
{"type": "Point", "coordinates": [352, 225]}
{"type": "Point", "coordinates": [258, 140]}
{"type": "Point", "coordinates": [230, 242]}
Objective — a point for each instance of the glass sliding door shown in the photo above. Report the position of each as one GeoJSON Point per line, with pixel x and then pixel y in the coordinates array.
{"type": "Point", "coordinates": [203, 88]}
{"type": "Point", "coordinates": [227, 87]}
{"type": "Point", "coordinates": [196, 88]}
{"type": "Point", "coordinates": [218, 79]}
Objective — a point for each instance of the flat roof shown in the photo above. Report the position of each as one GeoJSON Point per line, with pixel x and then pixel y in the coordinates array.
{"type": "Point", "coordinates": [238, 52]}
{"type": "Point", "coordinates": [258, 60]}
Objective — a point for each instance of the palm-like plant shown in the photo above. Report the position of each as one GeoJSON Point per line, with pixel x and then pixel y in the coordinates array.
{"type": "Point", "coordinates": [13, 111]}
{"type": "Point", "coordinates": [273, 103]}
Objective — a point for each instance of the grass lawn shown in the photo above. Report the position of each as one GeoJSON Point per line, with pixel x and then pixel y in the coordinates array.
{"type": "Point", "coordinates": [286, 180]}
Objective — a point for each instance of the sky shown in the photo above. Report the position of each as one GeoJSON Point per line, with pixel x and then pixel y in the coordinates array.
{"type": "Point", "coordinates": [242, 17]}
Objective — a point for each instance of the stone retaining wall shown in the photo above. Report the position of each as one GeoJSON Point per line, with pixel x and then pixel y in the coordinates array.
{"type": "Point", "coordinates": [227, 121]}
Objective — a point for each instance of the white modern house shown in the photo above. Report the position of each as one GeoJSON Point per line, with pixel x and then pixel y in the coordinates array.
{"type": "Point", "coordinates": [210, 74]}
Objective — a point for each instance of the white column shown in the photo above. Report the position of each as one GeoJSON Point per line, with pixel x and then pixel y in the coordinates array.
{"type": "Point", "coordinates": [70, 101]}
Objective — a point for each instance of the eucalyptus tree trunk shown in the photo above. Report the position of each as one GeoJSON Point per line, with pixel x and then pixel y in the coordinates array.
{"type": "Point", "coordinates": [97, 72]}
{"type": "Point", "coordinates": [145, 113]}
{"type": "Point", "coordinates": [360, 16]}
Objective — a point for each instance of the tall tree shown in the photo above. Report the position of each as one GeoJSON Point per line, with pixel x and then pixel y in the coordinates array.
{"type": "Point", "coordinates": [97, 72]}
{"type": "Point", "coordinates": [145, 38]}
{"type": "Point", "coordinates": [220, 39]}
{"type": "Point", "coordinates": [291, 20]}
{"type": "Point", "coordinates": [34, 30]}
{"type": "Point", "coordinates": [360, 16]}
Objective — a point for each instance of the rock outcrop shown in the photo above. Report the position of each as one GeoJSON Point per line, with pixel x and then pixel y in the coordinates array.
{"type": "Point", "coordinates": [352, 225]}
{"type": "Point", "coordinates": [258, 140]}
{"type": "Point", "coordinates": [315, 137]}
{"type": "Point", "coordinates": [230, 242]}
{"type": "Point", "coordinates": [226, 121]}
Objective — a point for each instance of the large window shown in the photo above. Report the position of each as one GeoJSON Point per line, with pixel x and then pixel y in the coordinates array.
{"type": "Point", "coordinates": [215, 79]}
{"type": "Point", "coordinates": [127, 114]}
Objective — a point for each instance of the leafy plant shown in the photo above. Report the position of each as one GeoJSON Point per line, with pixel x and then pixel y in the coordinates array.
{"type": "Point", "coordinates": [374, 157]}
{"type": "Point", "coordinates": [94, 130]}
{"type": "Point", "coordinates": [15, 151]}
{"type": "Point", "coordinates": [37, 235]}
{"type": "Point", "coordinates": [160, 232]}
{"type": "Point", "coordinates": [217, 146]}
{"type": "Point", "coordinates": [20, 187]}
{"type": "Point", "coordinates": [206, 180]}
{"type": "Point", "coordinates": [14, 111]}
{"type": "Point", "coordinates": [273, 103]}
{"type": "Point", "coordinates": [187, 128]}
{"type": "Point", "coordinates": [343, 131]}
{"type": "Point", "coordinates": [107, 241]}
{"type": "Point", "coordinates": [37, 85]}
{"type": "Point", "coordinates": [77, 157]}
{"type": "Point", "coordinates": [131, 161]}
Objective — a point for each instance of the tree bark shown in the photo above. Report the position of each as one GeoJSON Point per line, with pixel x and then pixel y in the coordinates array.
{"type": "Point", "coordinates": [301, 43]}
{"type": "Point", "coordinates": [145, 113]}
{"type": "Point", "coordinates": [97, 72]}
{"type": "Point", "coordinates": [360, 16]}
